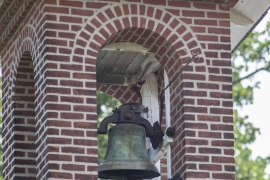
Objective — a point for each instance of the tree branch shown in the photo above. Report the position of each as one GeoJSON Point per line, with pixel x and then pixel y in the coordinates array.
{"type": "Point", "coordinates": [249, 75]}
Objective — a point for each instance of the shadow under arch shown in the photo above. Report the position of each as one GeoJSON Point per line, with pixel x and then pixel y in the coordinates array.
{"type": "Point", "coordinates": [152, 43]}
{"type": "Point", "coordinates": [170, 35]}
{"type": "Point", "coordinates": [24, 120]}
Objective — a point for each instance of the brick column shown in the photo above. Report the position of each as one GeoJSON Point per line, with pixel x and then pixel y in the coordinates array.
{"type": "Point", "coordinates": [24, 121]}
{"type": "Point", "coordinates": [66, 131]}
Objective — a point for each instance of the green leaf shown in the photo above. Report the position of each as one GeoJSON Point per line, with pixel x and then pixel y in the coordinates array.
{"type": "Point", "coordinates": [253, 52]}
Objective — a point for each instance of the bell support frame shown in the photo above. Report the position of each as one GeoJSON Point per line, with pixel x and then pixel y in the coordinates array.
{"type": "Point", "coordinates": [131, 113]}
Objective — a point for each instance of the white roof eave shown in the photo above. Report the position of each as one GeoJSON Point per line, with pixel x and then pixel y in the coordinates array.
{"type": "Point", "coordinates": [245, 15]}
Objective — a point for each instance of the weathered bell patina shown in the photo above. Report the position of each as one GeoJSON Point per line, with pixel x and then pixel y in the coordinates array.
{"type": "Point", "coordinates": [126, 156]}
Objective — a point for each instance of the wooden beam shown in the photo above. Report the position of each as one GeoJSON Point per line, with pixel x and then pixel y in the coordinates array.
{"type": "Point", "coordinates": [113, 78]}
{"type": "Point", "coordinates": [151, 67]}
{"type": "Point", "coordinates": [168, 122]}
{"type": "Point", "coordinates": [104, 77]}
{"type": "Point", "coordinates": [126, 46]}
{"type": "Point", "coordinates": [157, 154]}
{"type": "Point", "coordinates": [149, 92]}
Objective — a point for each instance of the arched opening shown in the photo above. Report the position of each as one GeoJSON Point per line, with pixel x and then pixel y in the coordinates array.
{"type": "Point", "coordinates": [167, 40]}
{"type": "Point", "coordinates": [24, 121]}
{"type": "Point", "coordinates": [128, 57]}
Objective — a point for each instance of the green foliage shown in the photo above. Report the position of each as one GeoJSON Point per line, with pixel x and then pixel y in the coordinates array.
{"type": "Point", "coordinates": [242, 95]}
{"type": "Point", "coordinates": [105, 105]}
{"type": "Point", "coordinates": [255, 49]}
{"type": "Point", "coordinates": [247, 168]}
{"type": "Point", "coordinates": [253, 52]}
{"type": "Point", "coordinates": [246, 134]}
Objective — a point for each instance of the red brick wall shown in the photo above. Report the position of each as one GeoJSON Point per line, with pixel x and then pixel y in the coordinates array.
{"type": "Point", "coordinates": [124, 94]}
{"type": "Point", "coordinates": [64, 38]}
{"type": "Point", "coordinates": [24, 121]}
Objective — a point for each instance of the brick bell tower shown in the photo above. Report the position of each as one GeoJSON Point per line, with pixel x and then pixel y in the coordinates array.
{"type": "Point", "coordinates": [53, 54]}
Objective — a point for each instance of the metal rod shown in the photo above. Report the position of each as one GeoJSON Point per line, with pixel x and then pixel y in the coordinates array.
{"type": "Point", "coordinates": [161, 95]}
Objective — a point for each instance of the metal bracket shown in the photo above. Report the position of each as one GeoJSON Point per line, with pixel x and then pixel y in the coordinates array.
{"type": "Point", "coordinates": [170, 131]}
{"type": "Point", "coordinates": [176, 177]}
{"type": "Point", "coordinates": [157, 154]}
{"type": "Point", "coordinates": [126, 117]}
{"type": "Point", "coordinates": [158, 135]}
{"type": "Point", "coordinates": [127, 113]}
{"type": "Point", "coordinates": [131, 113]}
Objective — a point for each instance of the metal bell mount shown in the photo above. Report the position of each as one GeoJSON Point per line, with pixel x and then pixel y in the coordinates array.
{"type": "Point", "coordinates": [126, 157]}
{"type": "Point", "coordinates": [131, 113]}
{"type": "Point", "coordinates": [176, 177]}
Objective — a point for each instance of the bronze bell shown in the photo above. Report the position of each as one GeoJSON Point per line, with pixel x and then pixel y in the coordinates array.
{"type": "Point", "coordinates": [126, 155]}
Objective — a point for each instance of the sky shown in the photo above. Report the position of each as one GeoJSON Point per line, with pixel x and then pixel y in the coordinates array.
{"type": "Point", "coordinates": [259, 111]}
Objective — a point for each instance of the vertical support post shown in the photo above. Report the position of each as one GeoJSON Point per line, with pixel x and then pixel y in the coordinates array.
{"type": "Point", "coordinates": [168, 121]}
{"type": "Point", "coordinates": [149, 92]}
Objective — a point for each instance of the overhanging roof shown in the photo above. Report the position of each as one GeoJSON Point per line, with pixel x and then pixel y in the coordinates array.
{"type": "Point", "coordinates": [245, 16]}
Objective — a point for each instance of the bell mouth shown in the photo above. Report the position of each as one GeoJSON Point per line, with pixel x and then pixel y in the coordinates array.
{"type": "Point", "coordinates": [126, 157]}
{"type": "Point", "coordinates": [128, 174]}
{"type": "Point", "coordinates": [129, 169]}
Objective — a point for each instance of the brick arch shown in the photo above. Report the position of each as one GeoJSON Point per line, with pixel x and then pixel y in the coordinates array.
{"type": "Point", "coordinates": [167, 37]}
{"type": "Point", "coordinates": [101, 30]}
{"type": "Point", "coordinates": [27, 42]}
{"type": "Point", "coordinates": [15, 125]}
